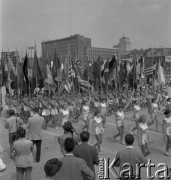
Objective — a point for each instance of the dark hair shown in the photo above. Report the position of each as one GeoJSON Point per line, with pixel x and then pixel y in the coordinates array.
{"type": "Point", "coordinates": [11, 112]}
{"type": "Point", "coordinates": [52, 166]}
{"type": "Point", "coordinates": [167, 112]}
{"type": "Point", "coordinates": [68, 126]}
{"type": "Point", "coordinates": [129, 139]}
{"type": "Point", "coordinates": [69, 144]}
{"type": "Point", "coordinates": [21, 132]}
{"type": "Point", "coordinates": [168, 99]}
{"type": "Point", "coordinates": [96, 112]}
{"type": "Point", "coordinates": [36, 110]}
{"type": "Point", "coordinates": [84, 136]}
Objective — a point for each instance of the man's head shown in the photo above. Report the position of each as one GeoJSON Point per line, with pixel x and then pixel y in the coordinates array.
{"type": "Point", "coordinates": [36, 110]}
{"type": "Point", "coordinates": [85, 136]}
{"type": "Point", "coordinates": [11, 112]}
{"type": "Point", "coordinates": [129, 139]}
{"type": "Point", "coordinates": [69, 145]}
{"type": "Point", "coordinates": [21, 132]}
{"type": "Point", "coordinates": [68, 126]}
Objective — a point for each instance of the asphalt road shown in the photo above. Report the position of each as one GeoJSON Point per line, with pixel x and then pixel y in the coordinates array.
{"type": "Point", "coordinates": [51, 149]}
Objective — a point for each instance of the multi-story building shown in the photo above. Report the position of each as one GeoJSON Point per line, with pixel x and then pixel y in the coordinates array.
{"type": "Point", "coordinates": [92, 53]}
{"type": "Point", "coordinates": [14, 56]}
{"type": "Point", "coordinates": [124, 44]}
{"type": "Point", "coordinates": [73, 45]}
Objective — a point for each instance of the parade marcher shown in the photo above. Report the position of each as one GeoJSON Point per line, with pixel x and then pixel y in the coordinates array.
{"type": "Point", "coordinates": [26, 106]}
{"type": "Point", "coordinates": [119, 119]}
{"type": "Point", "coordinates": [8, 103]}
{"type": "Point", "coordinates": [16, 105]}
{"type": "Point", "coordinates": [97, 128]}
{"type": "Point", "coordinates": [154, 110]}
{"type": "Point", "coordinates": [46, 112]}
{"type": "Point", "coordinates": [143, 127]}
{"type": "Point", "coordinates": [136, 112]}
{"type": "Point", "coordinates": [85, 114]}
{"type": "Point", "coordinates": [103, 107]}
{"type": "Point", "coordinates": [167, 130]}
{"type": "Point", "coordinates": [64, 114]}
{"type": "Point", "coordinates": [12, 124]}
{"type": "Point", "coordinates": [22, 154]}
{"type": "Point", "coordinates": [168, 104]}
{"type": "Point", "coordinates": [54, 111]}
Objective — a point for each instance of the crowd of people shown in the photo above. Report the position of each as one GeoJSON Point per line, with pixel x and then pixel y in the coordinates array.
{"type": "Point", "coordinates": [28, 115]}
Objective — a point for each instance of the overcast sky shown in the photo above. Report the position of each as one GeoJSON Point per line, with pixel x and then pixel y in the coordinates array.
{"type": "Point", "coordinates": [146, 22]}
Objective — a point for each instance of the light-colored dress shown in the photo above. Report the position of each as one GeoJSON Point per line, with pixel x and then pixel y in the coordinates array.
{"type": "Point", "coordinates": [119, 118]}
{"type": "Point", "coordinates": [98, 125]}
{"type": "Point", "coordinates": [86, 111]}
{"type": "Point", "coordinates": [103, 108]}
{"type": "Point", "coordinates": [137, 112]}
{"type": "Point", "coordinates": [168, 126]}
{"type": "Point", "coordinates": [143, 133]}
{"type": "Point", "coordinates": [65, 115]}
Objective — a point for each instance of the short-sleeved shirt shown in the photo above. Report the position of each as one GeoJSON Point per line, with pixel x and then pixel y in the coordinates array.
{"type": "Point", "coordinates": [12, 123]}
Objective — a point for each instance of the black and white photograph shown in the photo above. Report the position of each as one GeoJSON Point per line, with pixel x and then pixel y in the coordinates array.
{"type": "Point", "coordinates": [85, 89]}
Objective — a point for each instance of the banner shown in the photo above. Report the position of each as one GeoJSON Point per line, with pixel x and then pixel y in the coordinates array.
{"type": "Point", "coordinates": [168, 70]}
{"type": "Point", "coordinates": [168, 59]}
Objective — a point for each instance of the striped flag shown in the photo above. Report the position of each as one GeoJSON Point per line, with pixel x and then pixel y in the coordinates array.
{"type": "Point", "coordinates": [148, 69]}
{"type": "Point", "coordinates": [71, 72]}
{"type": "Point", "coordinates": [78, 64]}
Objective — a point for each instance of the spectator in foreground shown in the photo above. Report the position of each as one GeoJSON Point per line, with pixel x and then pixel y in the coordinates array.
{"type": "Point", "coordinates": [130, 156]}
{"type": "Point", "coordinates": [12, 123]}
{"type": "Point", "coordinates": [73, 167]}
{"type": "Point", "coordinates": [22, 154]}
{"type": "Point", "coordinates": [35, 124]}
{"type": "Point", "coordinates": [51, 167]}
{"type": "Point", "coordinates": [86, 152]}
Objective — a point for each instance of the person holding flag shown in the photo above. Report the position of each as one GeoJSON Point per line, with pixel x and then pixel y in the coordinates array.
{"type": "Point", "coordinates": [85, 114]}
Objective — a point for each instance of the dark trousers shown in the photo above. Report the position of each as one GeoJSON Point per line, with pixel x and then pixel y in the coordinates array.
{"type": "Point", "coordinates": [38, 149]}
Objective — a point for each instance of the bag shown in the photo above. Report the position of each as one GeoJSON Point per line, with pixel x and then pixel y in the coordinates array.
{"type": "Point", "coordinates": [17, 127]}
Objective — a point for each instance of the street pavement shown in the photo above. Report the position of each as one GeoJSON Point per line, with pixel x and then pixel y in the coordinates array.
{"type": "Point", "coordinates": [51, 148]}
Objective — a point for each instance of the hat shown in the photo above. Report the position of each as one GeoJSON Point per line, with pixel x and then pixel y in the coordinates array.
{"type": "Point", "coordinates": [52, 166]}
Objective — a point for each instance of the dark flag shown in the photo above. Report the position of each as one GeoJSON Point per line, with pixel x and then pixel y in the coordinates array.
{"type": "Point", "coordinates": [37, 74]}
{"type": "Point", "coordinates": [25, 69]}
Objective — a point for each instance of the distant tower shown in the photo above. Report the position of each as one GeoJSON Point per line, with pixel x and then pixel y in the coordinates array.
{"type": "Point", "coordinates": [124, 44]}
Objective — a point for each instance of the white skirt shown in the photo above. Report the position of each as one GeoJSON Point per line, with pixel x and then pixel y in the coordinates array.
{"type": "Point", "coordinates": [54, 112]}
{"type": "Point", "coordinates": [45, 112]}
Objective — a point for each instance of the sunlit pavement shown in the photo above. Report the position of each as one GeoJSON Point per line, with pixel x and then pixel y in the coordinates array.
{"type": "Point", "coordinates": [51, 149]}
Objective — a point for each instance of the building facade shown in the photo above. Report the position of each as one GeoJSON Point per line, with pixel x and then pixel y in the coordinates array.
{"type": "Point", "coordinates": [14, 56]}
{"type": "Point", "coordinates": [92, 53]}
{"type": "Point", "coordinates": [124, 44]}
{"type": "Point", "coordinates": [73, 45]}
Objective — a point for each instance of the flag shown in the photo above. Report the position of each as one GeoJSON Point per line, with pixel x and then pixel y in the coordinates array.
{"type": "Point", "coordinates": [78, 64]}
{"type": "Point", "coordinates": [148, 69]}
{"type": "Point", "coordinates": [160, 73]}
{"type": "Point", "coordinates": [25, 69]}
{"type": "Point", "coordinates": [11, 70]}
{"type": "Point", "coordinates": [112, 69]}
{"type": "Point", "coordinates": [37, 77]}
{"type": "Point", "coordinates": [4, 70]}
{"type": "Point", "coordinates": [19, 75]}
{"type": "Point", "coordinates": [106, 71]}
{"type": "Point", "coordinates": [97, 69]}
{"type": "Point", "coordinates": [56, 67]}
{"type": "Point", "coordinates": [49, 79]}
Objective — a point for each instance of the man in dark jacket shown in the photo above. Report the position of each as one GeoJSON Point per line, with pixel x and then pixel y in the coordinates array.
{"type": "Point", "coordinates": [87, 152]}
